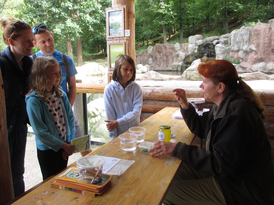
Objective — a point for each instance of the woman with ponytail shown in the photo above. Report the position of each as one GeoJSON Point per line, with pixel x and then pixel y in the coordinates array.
{"type": "Point", "coordinates": [236, 166]}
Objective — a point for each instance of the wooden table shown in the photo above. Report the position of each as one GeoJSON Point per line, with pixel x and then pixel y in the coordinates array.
{"type": "Point", "coordinates": [145, 182]}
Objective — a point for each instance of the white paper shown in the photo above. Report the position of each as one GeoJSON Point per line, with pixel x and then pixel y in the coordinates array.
{"type": "Point", "coordinates": [121, 167]}
{"type": "Point", "coordinates": [177, 114]}
{"type": "Point", "coordinates": [109, 164]}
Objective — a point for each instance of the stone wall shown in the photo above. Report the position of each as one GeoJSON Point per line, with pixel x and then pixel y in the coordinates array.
{"type": "Point", "coordinates": [251, 47]}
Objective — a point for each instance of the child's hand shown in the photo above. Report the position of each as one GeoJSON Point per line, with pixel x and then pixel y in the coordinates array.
{"type": "Point", "coordinates": [68, 148]}
{"type": "Point", "coordinates": [65, 155]}
{"type": "Point", "coordinates": [111, 124]}
{"type": "Point", "coordinates": [84, 153]}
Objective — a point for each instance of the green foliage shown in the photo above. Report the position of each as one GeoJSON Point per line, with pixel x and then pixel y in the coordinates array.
{"type": "Point", "coordinates": [233, 61]}
{"type": "Point", "coordinates": [69, 19]}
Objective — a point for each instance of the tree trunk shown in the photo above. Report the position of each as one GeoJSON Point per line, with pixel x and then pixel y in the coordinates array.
{"type": "Point", "coordinates": [6, 187]}
{"type": "Point", "coordinates": [181, 32]}
{"type": "Point", "coordinates": [164, 34]}
{"type": "Point", "coordinates": [225, 19]}
{"type": "Point", "coordinates": [187, 23]}
{"type": "Point", "coordinates": [169, 31]}
{"type": "Point", "coordinates": [130, 24]}
{"type": "Point", "coordinates": [271, 4]}
{"type": "Point", "coordinates": [193, 26]}
{"type": "Point", "coordinates": [207, 23]}
{"type": "Point", "coordinates": [69, 47]}
{"type": "Point", "coordinates": [181, 21]}
{"type": "Point", "coordinates": [147, 40]}
{"type": "Point", "coordinates": [79, 52]}
{"type": "Point", "coordinates": [174, 28]}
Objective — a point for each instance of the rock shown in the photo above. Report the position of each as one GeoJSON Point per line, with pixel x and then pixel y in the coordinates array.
{"type": "Point", "coordinates": [150, 61]}
{"type": "Point", "coordinates": [181, 55]}
{"type": "Point", "coordinates": [177, 66]}
{"type": "Point", "coordinates": [271, 77]}
{"type": "Point", "coordinates": [270, 67]}
{"type": "Point", "coordinates": [191, 48]}
{"type": "Point", "coordinates": [141, 69]}
{"type": "Point", "coordinates": [152, 75]}
{"type": "Point", "coordinates": [271, 22]}
{"type": "Point", "coordinates": [177, 46]}
{"type": "Point", "coordinates": [251, 48]}
{"type": "Point", "coordinates": [150, 49]}
{"type": "Point", "coordinates": [199, 42]}
{"type": "Point", "coordinates": [221, 51]}
{"type": "Point", "coordinates": [254, 76]}
{"type": "Point", "coordinates": [211, 39]}
{"type": "Point", "coordinates": [223, 41]}
{"type": "Point", "coordinates": [191, 72]}
{"type": "Point", "coordinates": [241, 54]}
{"type": "Point", "coordinates": [259, 67]}
{"type": "Point", "coordinates": [193, 39]}
{"type": "Point", "coordinates": [251, 45]}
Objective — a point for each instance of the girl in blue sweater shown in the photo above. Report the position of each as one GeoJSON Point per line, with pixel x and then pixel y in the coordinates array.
{"type": "Point", "coordinates": [51, 116]}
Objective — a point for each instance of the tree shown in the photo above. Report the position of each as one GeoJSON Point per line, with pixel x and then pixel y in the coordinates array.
{"type": "Point", "coordinates": [69, 20]}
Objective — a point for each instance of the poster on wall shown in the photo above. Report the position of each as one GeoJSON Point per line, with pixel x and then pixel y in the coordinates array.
{"type": "Point", "coordinates": [115, 50]}
{"type": "Point", "coordinates": [115, 22]}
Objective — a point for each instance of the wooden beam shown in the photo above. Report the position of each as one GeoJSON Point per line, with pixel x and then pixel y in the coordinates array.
{"type": "Point", "coordinates": [130, 24]}
{"type": "Point", "coordinates": [154, 106]}
{"type": "Point", "coordinates": [90, 88]}
{"type": "Point", "coordinates": [6, 186]}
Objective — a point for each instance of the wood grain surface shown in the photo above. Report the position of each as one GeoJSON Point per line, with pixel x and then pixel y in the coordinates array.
{"type": "Point", "coordinates": [145, 182]}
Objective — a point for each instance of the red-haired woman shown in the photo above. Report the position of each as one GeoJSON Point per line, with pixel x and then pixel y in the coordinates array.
{"type": "Point", "coordinates": [15, 67]}
{"type": "Point", "coordinates": [236, 166]}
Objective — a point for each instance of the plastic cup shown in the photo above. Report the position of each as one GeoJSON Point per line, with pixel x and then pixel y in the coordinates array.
{"type": "Point", "coordinates": [90, 169]}
{"type": "Point", "coordinates": [128, 142]}
{"type": "Point", "coordinates": [139, 132]}
{"type": "Point", "coordinates": [173, 128]}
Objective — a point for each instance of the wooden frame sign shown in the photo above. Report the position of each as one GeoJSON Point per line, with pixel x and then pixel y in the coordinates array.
{"type": "Point", "coordinates": [115, 21]}
{"type": "Point", "coordinates": [114, 49]}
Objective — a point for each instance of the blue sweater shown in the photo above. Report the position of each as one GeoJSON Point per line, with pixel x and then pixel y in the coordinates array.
{"type": "Point", "coordinates": [46, 134]}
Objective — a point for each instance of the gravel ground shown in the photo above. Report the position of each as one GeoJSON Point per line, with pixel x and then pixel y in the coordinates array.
{"type": "Point", "coordinates": [33, 174]}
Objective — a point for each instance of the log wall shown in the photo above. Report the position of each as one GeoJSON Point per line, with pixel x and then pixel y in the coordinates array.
{"type": "Point", "coordinates": [156, 98]}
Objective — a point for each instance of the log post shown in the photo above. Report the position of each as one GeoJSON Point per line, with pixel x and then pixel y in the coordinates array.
{"type": "Point", "coordinates": [131, 24]}
{"type": "Point", "coordinates": [6, 186]}
{"type": "Point", "coordinates": [78, 107]}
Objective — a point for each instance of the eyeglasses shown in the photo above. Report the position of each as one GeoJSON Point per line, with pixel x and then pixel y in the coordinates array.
{"type": "Point", "coordinates": [17, 25]}
{"type": "Point", "coordinates": [35, 28]}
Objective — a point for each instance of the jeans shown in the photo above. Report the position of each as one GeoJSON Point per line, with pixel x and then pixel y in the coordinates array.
{"type": "Point", "coordinates": [17, 147]}
{"type": "Point", "coordinates": [51, 162]}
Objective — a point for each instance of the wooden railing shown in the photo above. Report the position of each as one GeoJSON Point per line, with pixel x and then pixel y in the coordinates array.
{"type": "Point", "coordinates": [156, 98]}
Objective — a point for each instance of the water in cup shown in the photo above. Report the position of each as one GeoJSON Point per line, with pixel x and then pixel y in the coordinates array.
{"type": "Point", "coordinates": [139, 132]}
{"type": "Point", "coordinates": [128, 142]}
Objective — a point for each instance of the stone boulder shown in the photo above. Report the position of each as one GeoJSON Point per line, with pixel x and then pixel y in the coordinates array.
{"type": "Point", "coordinates": [142, 69]}
{"type": "Point", "coordinates": [151, 75]}
{"type": "Point", "coordinates": [191, 72]}
{"type": "Point", "coordinates": [254, 76]}
{"type": "Point", "coordinates": [92, 73]}
{"type": "Point", "coordinates": [250, 47]}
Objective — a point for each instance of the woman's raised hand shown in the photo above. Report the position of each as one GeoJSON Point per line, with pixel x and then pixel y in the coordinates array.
{"type": "Point", "coordinates": [180, 96]}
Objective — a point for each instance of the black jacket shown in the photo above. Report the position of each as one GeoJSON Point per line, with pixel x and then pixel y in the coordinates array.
{"type": "Point", "coordinates": [238, 151]}
{"type": "Point", "coordinates": [16, 87]}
